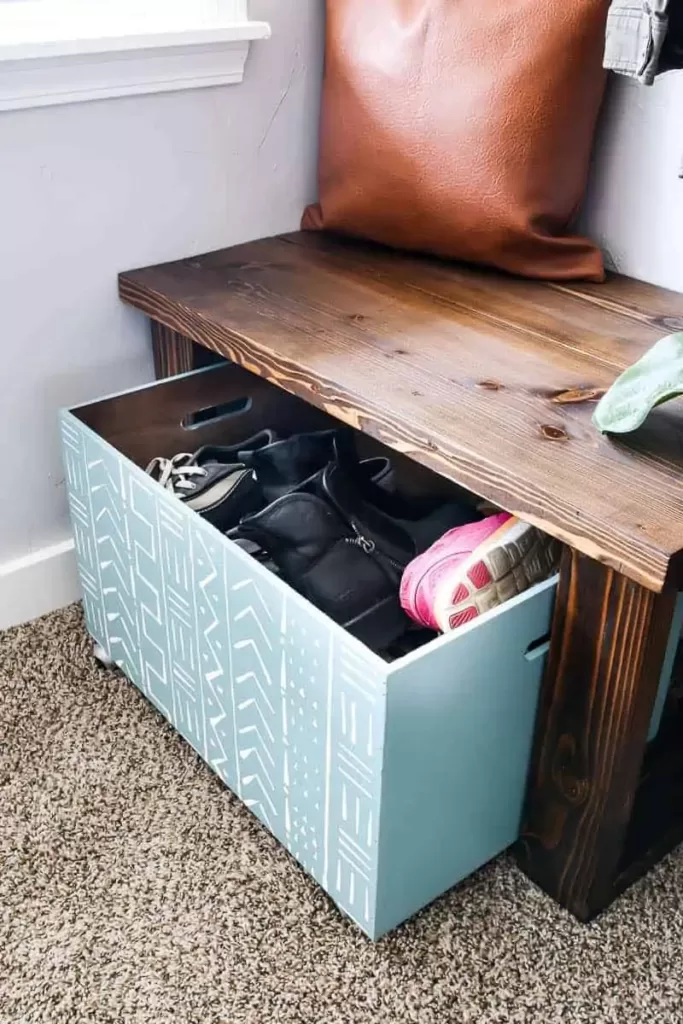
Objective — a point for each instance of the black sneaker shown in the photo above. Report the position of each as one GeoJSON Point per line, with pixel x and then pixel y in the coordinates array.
{"type": "Point", "coordinates": [344, 543]}
{"type": "Point", "coordinates": [340, 572]}
{"type": "Point", "coordinates": [235, 454]}
{"type": "Point", "coordinates": [223, 483]}
{"type": "Point", "coordinates": [292, 463]}
{"type": "Point", "coordinates": [384, 514]}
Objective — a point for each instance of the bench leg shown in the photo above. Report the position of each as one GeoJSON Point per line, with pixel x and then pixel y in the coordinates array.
{"type": "Point", "coordinates": [608, 644]}
{"type": "Point", "coordinates": [173, 352]}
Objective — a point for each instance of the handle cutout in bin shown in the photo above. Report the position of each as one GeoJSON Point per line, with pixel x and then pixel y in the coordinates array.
{"type": "Point", "coordinates": [538, 648]}
{"type": "Point", "coordinates": [216, 413]}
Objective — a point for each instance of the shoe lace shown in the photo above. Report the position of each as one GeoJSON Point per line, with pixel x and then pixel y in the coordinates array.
{"type": "Point", "coordinates": [177, 474]}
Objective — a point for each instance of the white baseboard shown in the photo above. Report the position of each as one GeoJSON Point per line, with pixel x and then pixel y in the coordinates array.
{"type": "Point", "coordinates": [38, 583]}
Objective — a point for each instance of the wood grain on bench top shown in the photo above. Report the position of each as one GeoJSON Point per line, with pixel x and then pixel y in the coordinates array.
{"type": "Point", "coordinates": [487, 379]}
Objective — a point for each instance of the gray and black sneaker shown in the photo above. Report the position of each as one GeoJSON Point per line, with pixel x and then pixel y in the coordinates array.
{"type": "Point", "coordinates": [220, 492]}
{"type": "Point", "coordinates": [214, 481]}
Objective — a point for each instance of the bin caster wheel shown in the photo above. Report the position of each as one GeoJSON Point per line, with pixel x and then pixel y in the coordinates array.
{"type": "Point", "coordinates": [101, 655]}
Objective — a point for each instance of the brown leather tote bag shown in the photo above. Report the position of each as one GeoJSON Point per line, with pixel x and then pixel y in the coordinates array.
{"type": "Point", "coordinates": [463, 128]}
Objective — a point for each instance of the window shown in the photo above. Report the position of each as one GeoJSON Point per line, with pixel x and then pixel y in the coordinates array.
{"type": "Point", "coordinates": [62, 51]}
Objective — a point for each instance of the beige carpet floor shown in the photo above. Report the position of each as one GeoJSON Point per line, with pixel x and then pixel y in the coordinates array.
{"type": "Point", "coordinates": [134, 888]}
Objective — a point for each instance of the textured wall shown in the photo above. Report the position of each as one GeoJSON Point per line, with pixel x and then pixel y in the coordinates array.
{"type": "Point", "coordinates": [635, 201]}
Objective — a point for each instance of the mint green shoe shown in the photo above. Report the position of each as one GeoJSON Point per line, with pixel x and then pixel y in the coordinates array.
{"type": "Point", "coordinates": [654, 379]}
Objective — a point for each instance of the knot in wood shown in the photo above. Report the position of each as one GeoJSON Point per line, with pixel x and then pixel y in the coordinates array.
{"type": "Point", "coordinates": [576, 395]}
{"type": "Point", "coordinates": [552, 433]}
{"type": "Point", "coordinates": [573, 786]}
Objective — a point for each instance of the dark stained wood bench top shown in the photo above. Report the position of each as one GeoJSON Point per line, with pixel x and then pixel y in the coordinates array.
{"type": "Point", "coordinates": [487, 379]}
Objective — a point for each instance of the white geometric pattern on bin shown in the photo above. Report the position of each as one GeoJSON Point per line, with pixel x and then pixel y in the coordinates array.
{"type": "Point", "coordinates": [287, 713]}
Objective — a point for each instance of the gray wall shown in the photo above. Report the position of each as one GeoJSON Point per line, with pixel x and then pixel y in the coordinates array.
{"type": "Point", "coordinates": [93, 188]}
{"type": "Point", "coordinates": [634, 207]}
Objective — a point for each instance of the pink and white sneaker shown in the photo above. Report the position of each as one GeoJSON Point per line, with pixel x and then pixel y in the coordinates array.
{"type": "Point", "coordinates": [476, 567]}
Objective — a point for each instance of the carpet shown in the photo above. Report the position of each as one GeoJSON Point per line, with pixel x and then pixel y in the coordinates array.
{"type": "Point", "coordinates": [135, 888]}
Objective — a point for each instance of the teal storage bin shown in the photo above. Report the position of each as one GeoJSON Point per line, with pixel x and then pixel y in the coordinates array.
{"type": "Point", "coordinates": [667, 669]}
{"type": "Point", "coordinates": [388, 782]}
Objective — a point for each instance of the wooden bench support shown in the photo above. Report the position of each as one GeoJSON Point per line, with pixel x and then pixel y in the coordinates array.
{"type": "Point", "coordinates": [656, 825]}
{"type": "Point", "coordinates": [608, 646]}
{"type": "Point", "coordinates": [173, 353]}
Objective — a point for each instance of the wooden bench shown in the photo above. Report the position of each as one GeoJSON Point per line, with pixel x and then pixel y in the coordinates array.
{"type": "Point", "coordinates": [492, 381]}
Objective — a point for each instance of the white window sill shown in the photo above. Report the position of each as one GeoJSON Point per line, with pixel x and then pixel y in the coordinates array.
{"type": "Point", "coordinates": [66, 51]}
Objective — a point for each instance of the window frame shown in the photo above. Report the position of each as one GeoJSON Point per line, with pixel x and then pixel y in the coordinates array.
{"type": "Point", "coordinates": [65, 51]}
